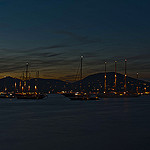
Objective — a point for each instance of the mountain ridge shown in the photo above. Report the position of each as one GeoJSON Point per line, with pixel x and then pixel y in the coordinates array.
{"type": "Point", "coordinates": [91, 83]}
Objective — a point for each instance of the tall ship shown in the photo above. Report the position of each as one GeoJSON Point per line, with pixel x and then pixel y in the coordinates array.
{"type": "Point", "coordinates": [81, 95]}
{"type": "Point", "coordinates": [6, 93]}
{"type": "Point", "coordinates": [25, 92]}
{"type": "Point", "coordinates": [115, 93]}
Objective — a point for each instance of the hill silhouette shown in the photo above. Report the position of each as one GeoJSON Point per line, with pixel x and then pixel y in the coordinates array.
{"type": "Point", "coordinates": [93, 83]}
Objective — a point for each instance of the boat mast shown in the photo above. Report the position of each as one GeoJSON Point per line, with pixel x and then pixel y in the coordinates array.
{"type": "Point", "coordinates": [137, 88]}
{"type": "Point", "coordinates": [105, 80]}
{"type": "Point", "coordinates": [26, 78]}
{"type": "Point", "coordinates": [36, 81]}
{"type": "Point", "coordinates": [115, 76]}
{"type": "Point", "coordinates": [27, 66]}
{"type": "Point", "coordinates": [29, 81]}
{"type": "Point", "coordinates": [24, 83]}
{"type": "Point", "coordinates": [5, 88]}
{"type": "Point", "coordinates": [15, 86]}
{"type": "Point", "coordinates": [125, 79]}
{"type": "Point", "coordinates": [81, 73]}
{"type": "Point", "coordinates": [20, 86]}
{"type": "Point", "coordinates": [81, 68]}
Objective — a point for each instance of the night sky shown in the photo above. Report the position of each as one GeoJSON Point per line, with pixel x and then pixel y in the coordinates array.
{"type": "Point", "coordinates": [52, 35]}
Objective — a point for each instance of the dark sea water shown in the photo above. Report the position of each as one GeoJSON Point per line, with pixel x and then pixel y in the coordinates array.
{"type": "Point", "coordinates": [57, 123]}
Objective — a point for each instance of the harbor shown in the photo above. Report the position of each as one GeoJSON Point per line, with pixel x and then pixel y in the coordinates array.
{"type": "Point", "coordinates": [74, 75]}
{"type": "Point", "coordinates": [106, 85]}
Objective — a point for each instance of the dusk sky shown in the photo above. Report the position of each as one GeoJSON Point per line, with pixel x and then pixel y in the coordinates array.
{"type": "Point", "coordinates": [52, 35]}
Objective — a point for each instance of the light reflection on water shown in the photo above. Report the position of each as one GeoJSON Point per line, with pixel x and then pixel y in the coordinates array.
{"type": "Point", "coordinates": [60, 124]}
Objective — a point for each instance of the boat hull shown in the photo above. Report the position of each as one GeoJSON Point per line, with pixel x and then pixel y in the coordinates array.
{"type": "Point", "coordinates": [118, 96]}
{"type": "Point", "coordinates": [30, 96]}
{"type": "Point", "coordinates": [83, 98]}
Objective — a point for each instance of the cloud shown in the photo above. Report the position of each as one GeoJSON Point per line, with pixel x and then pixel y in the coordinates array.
{"type": "Point", "coordinates": [12, 60]}
{"type": "Point", "coordinates": [59, 61]}
{"type": "Point", "coordinates": [80, 38]}
{"type": "Point", "coordinates": [140, 57]}
{"type": "Point", "coordinates": [36, 49]}
{"type": "Point", "coordinates": [46, 48]}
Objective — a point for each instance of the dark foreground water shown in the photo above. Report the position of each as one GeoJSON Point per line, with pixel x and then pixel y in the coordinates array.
{"type": "Point", "coordinates": [60, 124]}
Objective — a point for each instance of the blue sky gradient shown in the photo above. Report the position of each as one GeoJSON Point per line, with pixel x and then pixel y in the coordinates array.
{"type": "Point", "coordinates": [52, 34]}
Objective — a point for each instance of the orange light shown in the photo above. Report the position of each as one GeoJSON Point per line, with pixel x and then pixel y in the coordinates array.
{"type": "Point", "coordinates": [29, 87]}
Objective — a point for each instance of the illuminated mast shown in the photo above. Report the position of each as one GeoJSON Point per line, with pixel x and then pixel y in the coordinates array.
{"type": "Point", "coordinates": [27, 66]}
{"type": "Point", "coordinates": [137, 88]}
{"type": "Point", "coordinates": [115, 76]}
{"type": "Point", "coordinates": [24, 83]}
{"type": "Point", "coordinates": [125, 79]}
{"type": "Point", "coordinates": [105, 80]}
{"type": "Point", "coordinates": [20, 85]}
{"type": "Point", "coordinates": [81, 68]}
{"type": "Point", "coordinates": [37, 77]}
{"type": "Point", "coordinates": [81, 74]}
{"type": "Point", "coordinates": [15, 86]}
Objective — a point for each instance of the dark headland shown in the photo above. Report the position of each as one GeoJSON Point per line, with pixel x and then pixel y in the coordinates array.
{"type": "Point", "coordinates": [91, 83]}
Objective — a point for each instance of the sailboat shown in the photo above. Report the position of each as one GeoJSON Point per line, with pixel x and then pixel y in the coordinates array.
{"type": "Point", "coordinates": [6, 93]}
{"type": "Point", "coordinates": [82, 95]}
{"type": "Point", "coordinates": [30, 95]}
{"type": "Point", "coordinates": [115, 94]}
{"type": "Point", "coordinates": [26, 93]}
